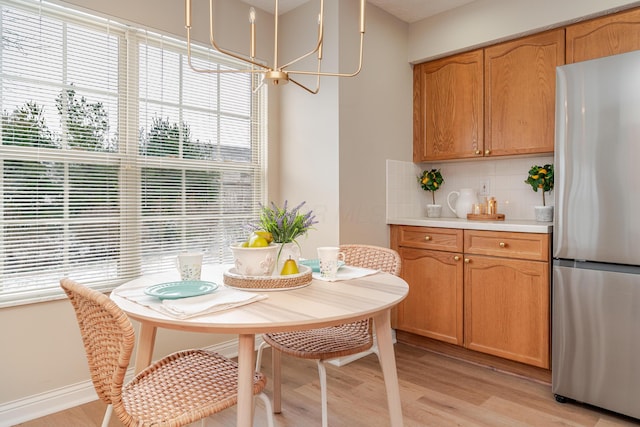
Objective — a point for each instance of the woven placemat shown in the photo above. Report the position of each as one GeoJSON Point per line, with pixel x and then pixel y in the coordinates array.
{"type": "Point", "coordinates": [268, 283]}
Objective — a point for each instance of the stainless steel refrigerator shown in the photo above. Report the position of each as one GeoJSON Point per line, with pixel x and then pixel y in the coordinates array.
{"type": "Point", "coordinates": [596, 271]}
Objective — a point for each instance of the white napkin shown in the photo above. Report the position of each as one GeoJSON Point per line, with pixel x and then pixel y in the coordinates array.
{"type": "Point", "coordinates": [347, 272]}
{"type": "Point", "coordinates": [222, 298]}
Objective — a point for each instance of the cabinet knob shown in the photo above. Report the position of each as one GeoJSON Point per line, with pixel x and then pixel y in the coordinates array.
{"type": "Point", "coordinates": [456, 258]}
{"type": "Point", "coordinates": [427, 238]}
{"type": "Point", "coordinates": [467, 260]}
{"type": "Point", "coordinates": [503, 245]}
{"type": "Point", "coordinates": [487, 152]}
{"type": "Point", "coordinates": [478, 152]}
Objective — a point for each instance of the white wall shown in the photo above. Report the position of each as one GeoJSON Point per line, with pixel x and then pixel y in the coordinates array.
{"type": "Point", "coordinates": [309, 126]}
{"type": "Point", "coordinates": [487, 21]}
{"type": "Point", "coordinates": [505, 178]}
{"type": "Point", "coordinates": [334, 144]}
{"type": "Point", "coordinates": [375, 122]}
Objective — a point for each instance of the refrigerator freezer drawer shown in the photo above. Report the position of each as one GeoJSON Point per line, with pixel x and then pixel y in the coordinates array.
{"type": "Point", "coordinates": [596, 338]}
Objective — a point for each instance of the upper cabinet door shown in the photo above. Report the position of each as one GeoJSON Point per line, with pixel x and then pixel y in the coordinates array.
{"type": "Point", "coordinates": [520, 87]}
{"type": "Point", "coordinates": [448, 108]}
{"type": "Point", "coordinates": [605, 36]}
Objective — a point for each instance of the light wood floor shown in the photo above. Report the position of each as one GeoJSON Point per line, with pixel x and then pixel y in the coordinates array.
{"type": "Point", "coordinates": [436, 390]}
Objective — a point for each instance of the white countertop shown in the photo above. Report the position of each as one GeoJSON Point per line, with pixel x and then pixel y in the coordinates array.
{"type": "Point", "coordinates": [520, 226]}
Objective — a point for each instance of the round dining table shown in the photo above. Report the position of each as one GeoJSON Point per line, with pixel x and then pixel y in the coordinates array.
{"type": "Point", "coordinates": [319, 304]}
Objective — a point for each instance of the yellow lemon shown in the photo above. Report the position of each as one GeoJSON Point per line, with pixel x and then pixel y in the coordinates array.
{"type": "Point", "coordinates": [267, 235]}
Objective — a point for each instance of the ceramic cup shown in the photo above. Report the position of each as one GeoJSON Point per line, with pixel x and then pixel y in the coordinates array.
{"type": "Point", "coordinates": [329, 257]}
{"type": "Point", "coordinates": [189, 265]}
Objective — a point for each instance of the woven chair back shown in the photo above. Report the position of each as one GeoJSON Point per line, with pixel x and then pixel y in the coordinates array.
{"type": "Point", "coordinates": [107, 335]}
{"type": "Point", "coordinates": [376, 257]}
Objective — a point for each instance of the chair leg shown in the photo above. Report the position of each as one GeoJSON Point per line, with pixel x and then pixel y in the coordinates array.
{"type": "Point", "coordinates": [262, 346]}
{"type": "Point", "coordinates": [322, 372]}
{"type": "Point", "coordinates": [267, 408]}
{"type": "Point", "coordinates": [107, 415]}
{"type": "Point", "coordinates": [277, 380]}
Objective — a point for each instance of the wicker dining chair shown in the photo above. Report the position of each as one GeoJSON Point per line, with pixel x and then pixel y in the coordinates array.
{"type": "Point", "coordinates": [177, 390]}
{"type": "Point", "coordinates": [331, 342]}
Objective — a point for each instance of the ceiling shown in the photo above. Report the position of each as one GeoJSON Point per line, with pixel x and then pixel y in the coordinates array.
{"type": "Point", "coordinates": [406, 10]}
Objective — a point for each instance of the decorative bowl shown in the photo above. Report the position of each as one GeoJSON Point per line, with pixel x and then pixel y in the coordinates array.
{"type": "Point", "coordinates": [255, 261]}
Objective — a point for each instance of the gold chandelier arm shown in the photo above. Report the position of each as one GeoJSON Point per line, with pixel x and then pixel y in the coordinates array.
{"type": "Point", "coordinates": [215, 46]}
{"type": "Point", "coordinates": [326, 74]}
{"type": "Point", "coordinates": [318, 47]}
{"type": "Point", "coordinates": [313, 92]}
{"type": "Point", "coordinates": [217, 71]}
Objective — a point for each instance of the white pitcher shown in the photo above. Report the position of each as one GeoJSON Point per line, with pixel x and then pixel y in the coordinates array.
{"type": "Point", "coordinates": [465, 198]}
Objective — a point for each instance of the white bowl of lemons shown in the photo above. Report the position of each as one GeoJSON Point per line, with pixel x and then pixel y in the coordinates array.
{"type": "Point", "coordinates": [255, 257]}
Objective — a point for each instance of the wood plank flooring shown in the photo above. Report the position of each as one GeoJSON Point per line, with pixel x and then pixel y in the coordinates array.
{"type": "Point", "coordinates": [436, 390]}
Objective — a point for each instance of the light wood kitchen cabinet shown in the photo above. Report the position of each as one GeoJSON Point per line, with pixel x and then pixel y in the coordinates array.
{"type": "Point", "coordinates": [497, 101]}
{"type": "Point", "coordinates": [448, 108]}
{"type": "Point", "coordinates": [434, 305]}
{"type": "Point", "coordinates": [520, 94]}
{"type": "Point", "coordinates": [604, 36]}
{"type": "Point", "coordinates": [485, 290]}
{"type": "Point", "coordinates": [507, 295]}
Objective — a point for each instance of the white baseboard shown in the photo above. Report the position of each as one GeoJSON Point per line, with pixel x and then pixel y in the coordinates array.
{"type": "Point", "coordinates": [42, 404]}
{"type": "Point", "coordinates": [39, 405]}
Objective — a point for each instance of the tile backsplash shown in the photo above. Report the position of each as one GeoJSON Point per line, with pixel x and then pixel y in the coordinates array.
{"type": "Point", "coordinates": [505, 178]}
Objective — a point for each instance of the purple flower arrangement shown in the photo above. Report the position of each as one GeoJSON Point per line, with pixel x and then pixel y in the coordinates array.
{"type": "Point", "coordinates": [284, 225]}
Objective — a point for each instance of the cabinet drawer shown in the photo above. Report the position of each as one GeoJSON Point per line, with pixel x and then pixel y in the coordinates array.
{"type": "Point", "coordinates": [507, 245]}
{"type": "Point", "coordinates": [441, 239]}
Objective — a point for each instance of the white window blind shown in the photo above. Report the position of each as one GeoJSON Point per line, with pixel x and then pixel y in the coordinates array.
{"type": "Point", "coordinates": [115, 155]}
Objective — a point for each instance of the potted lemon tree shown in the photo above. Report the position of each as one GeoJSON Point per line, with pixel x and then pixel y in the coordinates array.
{"type": "Point", "coordinates": [431, 180]}
{"type": "Point", "coordinates": [541, 178]}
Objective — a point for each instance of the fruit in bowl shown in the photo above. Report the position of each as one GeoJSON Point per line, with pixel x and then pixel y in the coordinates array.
{"type": "Point", "coordinates": [256, 256]}
{"type": "Point", "coordinates": [258, 239]}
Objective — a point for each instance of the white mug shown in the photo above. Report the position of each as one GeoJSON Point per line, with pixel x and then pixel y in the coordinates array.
{"type": "Point", "coordinates": [189, 265]}
{"type": "Point", "coordinates": [328, 257]}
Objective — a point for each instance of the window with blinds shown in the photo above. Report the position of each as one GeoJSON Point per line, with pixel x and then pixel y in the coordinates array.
{"type": "Point", "coordinates": [115, 155]}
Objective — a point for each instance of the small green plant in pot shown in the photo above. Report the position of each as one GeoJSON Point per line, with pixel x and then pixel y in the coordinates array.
{"type": "Point", "coordinates": [431, 180]}
{"type": "Point", "coordinates": [541, 178]}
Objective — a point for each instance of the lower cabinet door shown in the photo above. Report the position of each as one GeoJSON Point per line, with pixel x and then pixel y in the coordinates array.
{"type": "Point", "coordinates": [506, 308]}
{"type": "Point", "coordinates": [433, 308]}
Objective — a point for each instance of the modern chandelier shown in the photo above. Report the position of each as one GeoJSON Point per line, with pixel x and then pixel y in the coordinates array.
{"type": "Point", "coordinates": [275, 73]}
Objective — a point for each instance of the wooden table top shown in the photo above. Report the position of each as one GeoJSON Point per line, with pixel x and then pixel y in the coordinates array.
{"type": "Point", "coordinates": [320, 304]}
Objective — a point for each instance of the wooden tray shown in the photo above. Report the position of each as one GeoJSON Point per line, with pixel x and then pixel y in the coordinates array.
{"type": "Point", "coordinates": [485, 217]}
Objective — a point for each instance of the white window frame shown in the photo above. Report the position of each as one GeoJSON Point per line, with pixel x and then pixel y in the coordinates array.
{"type": "Point", "coordinates": [127, 157]}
